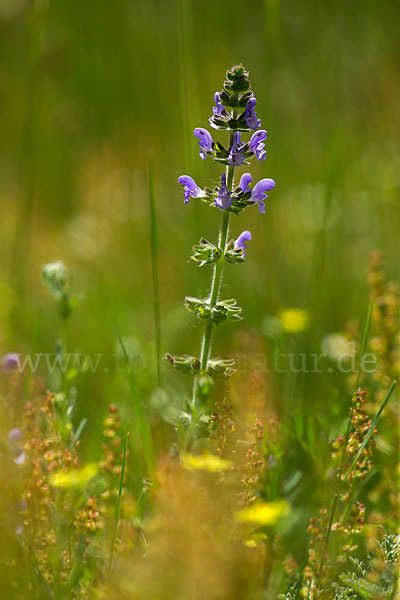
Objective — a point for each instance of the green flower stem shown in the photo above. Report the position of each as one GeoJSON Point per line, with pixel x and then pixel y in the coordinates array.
{"type": "Point", "coordinates": [218, 270]}
{"type": "Point", "coordinates": [215, 288]}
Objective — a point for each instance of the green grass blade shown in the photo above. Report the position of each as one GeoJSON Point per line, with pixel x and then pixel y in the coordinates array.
{"type": "Point", "coordinates": [142, 424]}
{"type": "Point", "coordinates": [154, 261]}
{"type": "Point", "coordinates": [79, 430]}
{"type": "Point", "coordinates": [118, 507]}
{"type": "Point", "coordinates": [78, 564]}
{"type": "Point", "coordinates": [364, 342]}
{"type": "Point", "coordinates": [371, 429]}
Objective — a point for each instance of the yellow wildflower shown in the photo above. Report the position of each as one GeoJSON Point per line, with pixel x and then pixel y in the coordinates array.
{"type": "Point", "coordinates": [263, 513]}
{"type": "Point", "coordinates": [204, 462]}
{"type": "Point", "coordinates": [294, 320]}
{"type": "Point", "coordinates": [73, 478]}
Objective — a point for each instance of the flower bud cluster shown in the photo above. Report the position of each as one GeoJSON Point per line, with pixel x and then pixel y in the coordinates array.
{"type": "Point", "coordinates": [315, 583]}
{"type": "Point", "coordinates": [385, 331]}
{"type": "Point", "coordinates": [254, 460]}
{"type": "Point", "coordinates": [111, 459]}
{"type": "Point", "coordinates": [221, 311]}
{"type": "Point", "coordinates": [186, 364]}
{"type": "Point", "coordinates": [206, 252]}
{"type": "Point", "coordinates": [384, 344]}
{"type": "Point", "coordinates": [360, 425]}
{"type": "Point", "coordinates": [221, 426]}
{"type": "Point", "coordinates": [353, 526]}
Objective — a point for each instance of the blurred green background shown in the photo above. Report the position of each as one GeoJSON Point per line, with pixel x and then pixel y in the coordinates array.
{"type": "Point", "coordinates": [89, 90]}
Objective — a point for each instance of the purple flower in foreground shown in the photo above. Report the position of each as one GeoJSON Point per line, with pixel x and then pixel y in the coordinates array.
{"type": "Point", "coordinates": [14, 435]}
{"type": "Point", "coordinates": [223, 200]}
{"type": "Point", "coordinates": [244, 182]}
{"type": "Point", "coordinates": [235, 156]}
{"type": "Point", "coordinates": [190, 188]}
{"type": "Point", "coordinates": [258, 194]}
{"type": "Point", "coordinates": [257, 145]}
{"type": "Point", "coordinates": [241, 241]}
{"type": "Point", "coordinates": [20, 457]}
{"type": "Point", "coordinates": [9, 362]}
{"type": "Point", "coordinates": [250, 114]}
{"type": "Point", "coordinates": [205, 141]}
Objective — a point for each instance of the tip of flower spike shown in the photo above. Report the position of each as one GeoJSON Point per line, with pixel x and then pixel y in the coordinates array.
{"type": "Point", "coordinates": [237, 80]}
{"type": "Point", "coordinates": [236, 71]}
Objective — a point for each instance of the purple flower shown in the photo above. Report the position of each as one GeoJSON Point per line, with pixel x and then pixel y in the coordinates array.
{"type": "Point", "coordinates": [14, 435]}
{"type": "Point", "coordinates": [258, 194]}
{"type": "Point", "coordinates": [20, 457]}
{"type": "Point", "coordinates": [250, 115]}
{"type": "Point", "coordinates": [9, 361]}
{"type": "Point", "coordinates": [205, 141]}
{"type": "Point", "coordinates": [217, 110]}
{"type": "Point", "coordinates": [223, 200]}
{"type": "Point", "coordinates": [257, 145]}
{"type": "Point", "coordinates": [241, 241]}
{"type": "Point", "coordinates": [235, 156]}
{"type": "Point", "coordinates": [190, 188]}
{"type": "Point", "coordinates": [245, 180]}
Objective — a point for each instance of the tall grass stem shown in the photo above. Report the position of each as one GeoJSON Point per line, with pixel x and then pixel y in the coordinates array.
{"type": "Point", "coordinates": [118, 506]}
{"type": "Point", "coordinates": [154, 262]}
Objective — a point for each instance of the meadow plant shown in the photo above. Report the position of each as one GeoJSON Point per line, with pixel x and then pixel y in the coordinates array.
{"type": "Point", "coordinates": [234, 113]}
{"type": "Point", "coordinates": [352, 457]}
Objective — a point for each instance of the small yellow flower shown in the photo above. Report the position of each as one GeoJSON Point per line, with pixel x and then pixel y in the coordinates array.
{"type": "Point", "coordinates": [263, 513]}
{"type": "Point", "coordinates": [74, 478]}
{"type": "Point", "coordinates": [256, 540]}
{"type": "Point", "coordinates": [204, 462]}
{"type": "Point", "coordinates": [294, 320]}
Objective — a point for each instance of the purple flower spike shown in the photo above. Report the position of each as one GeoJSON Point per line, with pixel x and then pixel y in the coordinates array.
{"type": "Point", "coordinates": [9, 362]}
{"type": "Point", "coordinates": [258, 194]}
{"type": "Point", "coordinates": [223, 200]}
{"type": "Point", "coordinates": [257, 145]}
{"type": "Point", "coordinates": [205, 141]}
{"type": "Point", "coordinates": [241, 241]}
{"type": "Point", "coordinates": [217, 110]}
{"type": "Point", "coordinates": [190, 188]}
{"type": "Point", "coordinates": [250, 115]}
{"type": "Point", "coordinates": [245, 180]}
{"type": "Point", "coordinates": [235, 156]}
{"type": "Point", "coordinates": [14, 435]}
